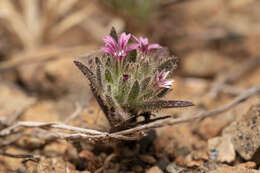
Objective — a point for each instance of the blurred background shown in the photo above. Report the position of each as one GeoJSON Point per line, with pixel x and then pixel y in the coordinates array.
{"type": "Point", "coordinates": [216, 41]}
{"type": "Point", "coordinates": [39, 39]}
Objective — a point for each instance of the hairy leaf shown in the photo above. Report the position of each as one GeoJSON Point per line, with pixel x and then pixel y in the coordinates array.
{"type": "Point", "coordinates": [163, 92]}
{"type": "Point", "coordinates": [109, 90]}
{"type": "Point", "coordinates": [163, 104]}
{"type": "Point", "coordinates": [98, 73]}
{"type": "Point", "coordinates": [108, 62]}
{"type": "Point", "coordinates": [108, 76]}
{"type": "Point", "coordinates": [134, 92]}
{"type": "Point", "coordinates": [110, 101]}
{"type": "Point", "coordinates": [123, 89]}
{"type": "Point", "coordinates": [168, 65]}
{"type": "Point", "coordinates": [145, 83]}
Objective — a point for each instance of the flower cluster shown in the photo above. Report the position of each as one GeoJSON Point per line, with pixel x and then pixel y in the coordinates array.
{"type": "Point", "coordinates": [119, 50]}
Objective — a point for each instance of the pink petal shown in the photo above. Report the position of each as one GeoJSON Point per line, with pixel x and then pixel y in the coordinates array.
{"type": "Point", "coordinates": [107, 50]}
{"type": "Point", "coordinates": [110, 42]}
{"type": "Point", "coordinates": [144, 41]}
{"type": "Point", "coordinates": [123, 40]}
{"type": "Point", "coordinates": [154, 46]}
{"type": "Point", "coordinates": [132, 47]}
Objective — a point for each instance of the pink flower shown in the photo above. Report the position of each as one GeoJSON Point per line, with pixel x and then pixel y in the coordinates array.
{"type": "Point", "coordinates": [117, 49]}
{"type": "Point", "coordinates": [143, 45]}
{"type": "Point", "coordinates": [160, 79]}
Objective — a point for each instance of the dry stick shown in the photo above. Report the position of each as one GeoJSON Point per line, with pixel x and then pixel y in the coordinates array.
{"type": "Point", "coordinates": [21, 156]}
{"type": "Point", "coordinates": [41, 55]}
{"type": "Point", "coordinates": [232, 90]}
{"type": "Point", "coordinates": [234, 75]}
{"type": "Point", "coordinates": [80, 132]}
{"type": "Point", "coordinates": [242, 97]}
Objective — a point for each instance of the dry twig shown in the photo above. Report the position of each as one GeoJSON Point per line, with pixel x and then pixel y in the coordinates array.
{"type": "Point", "coordinates": [42, 55]}
{"type": "Point", "coordinates": [81, 133]}
{"type": "Point", "coordinates": [21, 156]}
{"type": "Point", "coordinates": [233, 75]}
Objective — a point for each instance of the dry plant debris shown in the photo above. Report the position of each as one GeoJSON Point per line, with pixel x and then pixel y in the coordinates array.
{"type": "Point", "coordinates": [51, 17]}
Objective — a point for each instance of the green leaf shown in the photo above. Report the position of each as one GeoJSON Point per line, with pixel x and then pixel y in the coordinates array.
{"type": "Point", "coordinates": [145, 83]}
{"type": "Point", "coordinates": [123, 89]}
{"type": "Point", "coordinates": [108, 62]}
{"type": "Point", "coordinates": [109, 90]}
{"type": "Point", "coordinates": [134, 92]}
{"type": "Point", "coordinates": [116, 70]}
{"type": "Point", "coordinates": [145, 68]}
{"type": "Point", "coordinates": [108, 76]}
{"type": "Point", "coordinates": [164, 104]}
{"type": "Point", "coordinates": [131, 57]}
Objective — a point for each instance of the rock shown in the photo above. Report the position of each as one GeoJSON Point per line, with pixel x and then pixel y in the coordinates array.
{"type": "Point", "coordinates": [205, 64]}
{"type": "Point", "coordinates": [173, 168]}
{"type": "Point", "coordinates": [211, 127]}
{"type": "Point", "coordinates": [137, 168]}
{"type": "Point", "coordinates": [13, 100]}
{"type": "Point", "coordinates": [56, 148]}
{"type": "Point", "coordinates": [176, 141]}
{"type": "Point", "coordinates": [147, 159]}
{"type": "Point", "coordinates": [44, 111]}
{"type": "Point", "coordinates": [221, 149]}
{"type": "Point", "coordinates": [229, 169]}
{"type": "Point", "coordinates": [88, 159]}
{"type": "Point", "coordinates": [57, 165]}
{"type": "Point", "coordinates": [248, 165]}
{"type": "Point", "coordinates": [245, 133]}
{"type": "Point", "coordinates": [154, 169]}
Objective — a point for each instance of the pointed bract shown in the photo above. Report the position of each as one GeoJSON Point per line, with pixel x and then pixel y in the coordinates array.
{"type": "Point", "coordinates": [160, 80]}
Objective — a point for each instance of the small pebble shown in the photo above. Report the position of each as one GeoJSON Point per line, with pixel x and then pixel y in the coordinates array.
{"type": "Point", "coordinates": [137, 168]}
{"type": "Point", "coordinates": [154, 169]}
{"type": "Point", "coordinates": [147, 159]}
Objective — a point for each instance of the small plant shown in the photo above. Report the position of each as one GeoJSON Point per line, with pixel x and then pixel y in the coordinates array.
{"type": "Point", "coordinates": [129, 81]}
